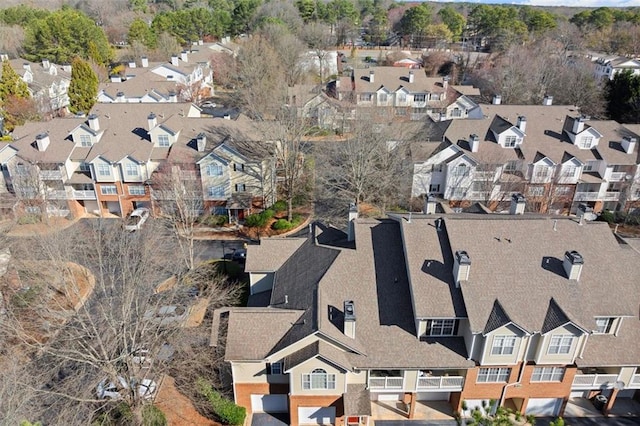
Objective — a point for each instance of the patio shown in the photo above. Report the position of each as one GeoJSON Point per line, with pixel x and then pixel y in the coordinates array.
{"type": "Point", "coordinates": [425, 410]}
{"type": "Point", "coordinates": [583, 407]}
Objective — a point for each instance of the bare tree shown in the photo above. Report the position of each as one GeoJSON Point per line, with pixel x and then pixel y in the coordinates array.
{"type": "Point", "coordinates": [99, 330]}
{"type": "Point", "coordinates": [177, 195]}
{"type": "Point", "coordinates": [289, 49]}
{"type": "Point", "coordinates": [319, 38]}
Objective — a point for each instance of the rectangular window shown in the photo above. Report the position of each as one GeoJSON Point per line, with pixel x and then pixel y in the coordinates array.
{"type": "Point", "coordinates": [216, 191]}
{"type": "Point", "coordinates": [402, 98]}
{"type": "Point", "coordinates": [131, 169]}
{"type": "Point", "coordinates": [456, 113]}
{"type": "Point", "coordinates": [585, 142]}
{"type": "Point", "coordinates": [493, 375]}
{"type": "Point", "coordinates": [419, 98]}
{"type": "Point", "coordinates": [569, 171]}
{"type": "Point", "coordinates": [318, 380]}
{"type": "Point", "coordinates": [419, 110]}
{"type": "Point", "coordinates": [382, 98]}
{"type": "Point", "coordinates": [536, 191]}
{"type": "Point", "coordinates": [238, 167]}
{"type": "Point", "coordinates": [136, 190]}
{"type": "Point", "coordinates": [503, 345]}
{"type": "Point", "coordinates": [590, 166]}
{"type": "Point", "coordinates": [459, 192]}
{"type": "Point", "coordinates": [85, 167]}
{"type": "Point", "coordinates": [22, 170]}
{"type": "Point", "coordinates": [365, 97]}
{"type": "Point", "coordinates": [434, 188]}
{"type": "Point", "coordinates": [85, 140]}
{"type": "Point", "coordinates": [547, 374]}
{"type": "Point", "coordinates": [560, 344]}
{"type": "Point", "coordinates": [510, 141]}
{"type": "Point", "coordinates": [461, 170]}
{"type": "Point", "coordinates": [441, 327]}
{"type": "Point", "coordinates": [108, 190]}
{"type": "Point", "coordinates": [541, 171]}
{"type": "Point", "coordinates": [562, 190]}
{"type": "Point", "coordinates": [276, 368]}
{"type": "Point", "coordinates": [104, 169]}
{"type": "Point", "coordinates": [240, 187]}
{"type": "Point", "coordinates": [214, 170]}
{"type": "Point", "coordinates": [511, 166]}
{"type": "Point", "coordinates": [163, 141]}
{"type": "Point", "coordinates": [603, 325]}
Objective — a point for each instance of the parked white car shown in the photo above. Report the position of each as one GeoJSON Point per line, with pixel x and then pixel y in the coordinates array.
{"type": "Point", "coordinates": [136, 219]}
{"type": "Point", "coordinates": [109, 390]}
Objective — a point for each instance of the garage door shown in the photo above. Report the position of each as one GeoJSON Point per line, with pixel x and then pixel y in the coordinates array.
{"type": "Point", "coordinates": [433, 396]}
{"type": "Point", "coordinates": [387, 396]}
{"type": "Point", "coordinates": [269, 403]}
{"type": "Point", "coordinates": [544, 406]}
{"type": "Point", "coordinates": [316, 415]}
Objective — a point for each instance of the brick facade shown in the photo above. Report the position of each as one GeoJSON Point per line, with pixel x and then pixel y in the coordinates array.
{"type": "Point", "coordinates": [296, 401]}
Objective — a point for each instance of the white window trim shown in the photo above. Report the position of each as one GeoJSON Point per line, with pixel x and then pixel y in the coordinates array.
{"type": "Point", "coordinates": [498, 372]}
{"type": "Point", "coordinates": [103, 187]}
{"type": "Point", "coordinates": [214, 170]}
{"type": "Point", "coordinates": [308, 382]}
{"type": "Point", "coordinates": [104, 169]}
{"type": "Point", "coordinates": [510, 141]}
{"type": "Point", "coordinates": [562, 344]}
{"type": "Point", "coordinates": [139, 190]}
{"type": "Point", "coordinates": [554, 374]}
{"type": "Point", "coordinates": [608, 326]}
{"type": "Point", "coordinates": [276, 368]}
{"type": "Point", "coordinates": [500, 346]}
{"type": "Point", "coordinates": [163, 141]}
{"type": "Point", "coordinates": [132, 169]}
{"type": "Point", "coordinates": [443, 324]}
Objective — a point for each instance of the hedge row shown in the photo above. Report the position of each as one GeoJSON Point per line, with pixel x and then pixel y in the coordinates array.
{"type": "Point", "coordinates": [228, 412]}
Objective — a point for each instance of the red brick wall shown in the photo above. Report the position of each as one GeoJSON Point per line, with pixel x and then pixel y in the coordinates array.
{"type": "Point", "coordinates": [245, 390]}
{"type": "Point", "coordinates": [296, 401]}
{"type": "Point", "coordinates": [526, 390]}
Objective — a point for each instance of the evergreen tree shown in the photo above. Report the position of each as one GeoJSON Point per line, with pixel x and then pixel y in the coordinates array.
{"type": "Point", "coordinates": [83, 89]}
{"type": "Point", "coordinates": [15, 98]}
{"type": "Point", "coordinates": [623, 97]}
{"type": "Point", "coordinates": [11, 84]}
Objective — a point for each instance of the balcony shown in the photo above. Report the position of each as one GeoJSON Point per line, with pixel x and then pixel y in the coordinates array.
{"type": "Point", "coordinates": [50, 174]}
{"type": "Point", "coordinates": [83, 195]}
{"type": "Point", "coordinates": [57, 195]}
{"type": "Point", "coordinates": [453, 383]}
{"type": "Point", "coordinates": [594, 381]}
{"type": "Point", "coordinates": [586, 196]}
{"type": "Point", "coordinates": [484, 176]}
{"type": "Point", "coordinates": [390, 382]}
{"type": "Point", "coordinates": [188, 175]}
{"type": "Point", "coordinates": [616, 176]}
{"type": "Point", "coordinates": [611, 196]}
{"type": "Point", "coordinates": [635, 382]}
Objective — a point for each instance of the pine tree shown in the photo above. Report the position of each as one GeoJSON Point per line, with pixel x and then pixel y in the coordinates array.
{"type": "Point", "coordinates": [83, 89]}
{"type": "Point", "coordinates": [11, 84]}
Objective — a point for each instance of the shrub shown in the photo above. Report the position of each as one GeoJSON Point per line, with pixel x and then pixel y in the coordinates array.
{"type": "Point", "coordinates": [153, 416]}
{"type": "Point", "coordinates": [279, 206]}
{"type": "Point", "coordinates": [228, 412]}
{"type": "Point", "coordinates": [28, 219]}
{"type": "Point", "coordinates": [214, 220]}
{"type": "Point", "coordinates": [281, 224]}
{"type": "Point", "coordinates": [607, 216]}
{"type": "Point", "coordinates": [258, 220]}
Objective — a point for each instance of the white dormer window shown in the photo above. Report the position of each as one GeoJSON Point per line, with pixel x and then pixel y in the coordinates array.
{"type": "Point", "coordinates": [382, 97]}
{"type": "Point", "coordinates": [586, 142]}
{"type": "Point", "coordinates": [131, 169]}
{"type": "Point", "coordinates": [569, 171]}
{"type": "Point", "coordinates": [503, 345]}
{"type": "Point", "coordinates": [461, 170]}
{"type": "Point", "coordinates": [604, 325]}
{"type": "Point", "coordinates": [456, 112]}
{"type": "Point", "coordinates": [402, 98]}
{"type": "Point", "coordinates": [560, 344]}
{"type": "Point", "coordinates": [104, 169]}
{"type": "Point", "coordinates": [542, 171]}
{"type": "Point", "coordinates": [441, 327]}
{"type": "Point", "coordinates": [365, 97]}
{"type": "Point", "coordinates": [510, 141]}
{"type": "Point", "coordinates": [420, 98]}
{"type": "Point", "coordinates": [163, 141]}
{"type": "Point", "coordinates": [214, 170]}
{"type": "Point", "coordinates": [275, 368]}
{"type": "Point", "coordinates": [318, 379]}
{"type": "Point", "coordinates": [85, 140]}
{"type": "Point", "coordinates": [85, 167]}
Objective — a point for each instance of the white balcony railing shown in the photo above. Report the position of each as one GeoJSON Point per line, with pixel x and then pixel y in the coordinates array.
{"type": "Point", "coordinates": [616, 176]}
{"type": "Point", "coordinates": [635, 381]}
{"type": "Point", "coordinates": [593, 381]}
{"type": "Point", "coordinates": [440, 382]}
{"type": "Point", "coordinates": [386, 382]}
{"type": "Point", "coordinates": [83, 195]}
{"type": "Point", "coordinates": [57, 195]}
{"type": "Point", "coordinates": [586, 196]}
{"type": "Point", "coordinates": [50, 174]}
{"type": "Point", "coordinates": [611, 196]}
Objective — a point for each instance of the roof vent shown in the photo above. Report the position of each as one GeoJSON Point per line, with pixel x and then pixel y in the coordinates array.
{"type": "Point", "coordinates": [349, 319]}
{"type": "Point", "coordinates": [573, 263]}
{"type": "Point", "coordinates": [518, 203]}
{"type": "Point", "coordinates": [461, 267]}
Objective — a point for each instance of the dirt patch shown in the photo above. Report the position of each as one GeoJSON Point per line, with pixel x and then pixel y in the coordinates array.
{"type": "Point", "coordinates": [197, 313]}
{"type": "Point", "coordinates": [54, 224]}
{"type": "Point", "coordinates": [178, 408]}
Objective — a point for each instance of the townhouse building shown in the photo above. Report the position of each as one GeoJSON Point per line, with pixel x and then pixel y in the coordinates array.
{"type": "Point", "coordinates": [186, 77]}
{"type": "Point", "coordinates": [424, 309]}
{"type": "Point", "coordinates": [48, 84]}
{"type": "Point", "coordinates": [105, 163]}
{"type": "Point", "coordinates": [556, 157]}
{"type": "Point", "coordinates": [401, 94]}
{"type": "Point", "coordinates": [608, 67]}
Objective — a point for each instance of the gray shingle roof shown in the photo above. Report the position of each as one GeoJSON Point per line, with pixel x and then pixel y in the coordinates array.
{"type": "Point", "coordinates": [357, 400]}
{"type": "Point", "coordinates": [497, 318]}
{"type": "Point", "coordinates": [317, 349]}
{"type": "Point", "coordinates": [555, 318]}
{"type": "Point", "coordinates": [270, 254]}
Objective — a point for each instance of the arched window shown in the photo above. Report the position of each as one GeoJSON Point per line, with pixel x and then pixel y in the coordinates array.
{"type": "Point", "coordinates": [318, 379]}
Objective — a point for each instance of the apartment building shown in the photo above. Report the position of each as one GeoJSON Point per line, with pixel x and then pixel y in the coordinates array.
{"type": "Point", "coordinates": [402, 94]}
{"type": "Point", "coordinates": [523, 311]}
{"type": "Point", "coordinates": [106, 163]}
{"type": "Point", "coordinates": [553, 155]}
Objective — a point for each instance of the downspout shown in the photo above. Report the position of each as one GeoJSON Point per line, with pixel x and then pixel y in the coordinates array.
{"type": "Point", "coordinates": [473, 345]}
{"type": "Point", "coordinates": [524, 358]}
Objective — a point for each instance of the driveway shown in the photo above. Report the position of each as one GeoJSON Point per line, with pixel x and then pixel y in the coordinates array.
{"type": "Point", "coordinates": [415, 423]}
{"type": "Point", "coordinates": [269, 419]}
{"type": "Point", "coordinates": [540, 421]}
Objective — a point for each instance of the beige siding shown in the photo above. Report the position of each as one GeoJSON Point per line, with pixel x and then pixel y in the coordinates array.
{"type": "Point", "coordinates": [410, 380]}
{"type": "Point", "coordinates": [260, 282]}
{"type": "Point", "coordinates": [249, 372]}
{"type": "Point", "coordinates": [508, 330]}
{"type": "Point", "coordinates": [625, 375]}
{"type": "Point", "coordinates": [308, 367]}
{"type": "Point", "coordinates": [543, 357]}
{"type": "Point", "coordinates": [465, 331]}
{"type": "Point", "coordinates": [422, 327]}
{"type": "Point", "coordinates": [356, 378]}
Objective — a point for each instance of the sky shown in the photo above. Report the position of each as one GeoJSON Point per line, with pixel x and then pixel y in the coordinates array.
{"type": "Point", "coordinates": [572, 3]}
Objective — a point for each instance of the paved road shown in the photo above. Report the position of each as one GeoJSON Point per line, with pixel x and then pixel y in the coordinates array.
{"type": "Point", "coordinates": [213, 249]}
{"type": "Point", "coordinates": [267, 419]}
